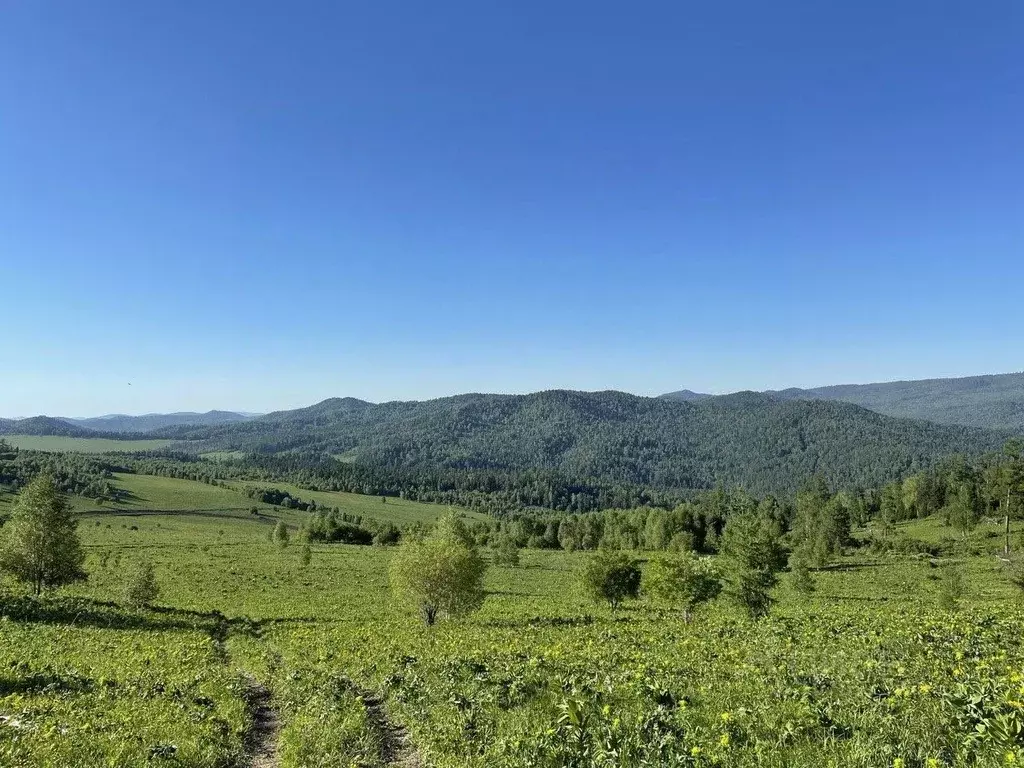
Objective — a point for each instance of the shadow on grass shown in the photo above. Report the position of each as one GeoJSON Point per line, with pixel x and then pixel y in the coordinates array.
{"type": "Point", "coordinates": [44, 682]}
{"type": "Point", "coordinates": [842, 567]}
{"type": "Point", "coordinates": [86, 612]}
{"type": "Point", "coordinates": [539, 621]}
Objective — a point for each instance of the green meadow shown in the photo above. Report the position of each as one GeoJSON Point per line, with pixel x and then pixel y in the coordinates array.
{"type": "Point", "coordinates": [57, 444]}
{"type": "Point", "coordinates": [870, 670]}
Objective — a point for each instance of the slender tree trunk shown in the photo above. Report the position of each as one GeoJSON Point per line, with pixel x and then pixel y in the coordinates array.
{"type": "Point", "coordinates": [1006, 542]}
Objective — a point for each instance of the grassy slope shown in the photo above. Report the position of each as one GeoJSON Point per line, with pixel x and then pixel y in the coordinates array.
{"type": "Point", "coordinates": [871, 626]}
{"type": "Point", "coordinates": [398, 511]}
{"type": "Point", "coordinates": [150, 492]}
{"type": "Point", "coordinates": [55, 444]}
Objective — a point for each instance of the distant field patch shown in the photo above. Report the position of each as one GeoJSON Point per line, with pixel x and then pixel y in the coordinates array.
{"type": "Point", "coordinates": [171, 493]}
{"type": "Point", "coordinates": [222, 455]}
{"type": "Point", "coordinates": [398, 511]}
{"type": "Point", "coordinates": [57, 444]}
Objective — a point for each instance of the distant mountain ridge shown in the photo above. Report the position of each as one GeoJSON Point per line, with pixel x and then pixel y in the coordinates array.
{"type": "Point", "coordinates": [686, 396]}
{"type": "Point", "coordinates": [754, 440]}
{"type": "Point", "coordinates": [43, 425]}
{"type": "Point", "coordinates": [148, 422]}
{"type": "Point", "coordinates": [114, 424]}
{"type": "Point", "coordinates": [992, 401]}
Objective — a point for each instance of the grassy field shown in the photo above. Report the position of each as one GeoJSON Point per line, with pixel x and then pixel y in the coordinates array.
{"type": "Point", "coordinates": [398, 511]}
{"type": "Point", "coordinates": [56, 444]}
{"type": "Point", "coordinates": [152, 492]}
{"type": "Point", "coordinates": [869, 671]}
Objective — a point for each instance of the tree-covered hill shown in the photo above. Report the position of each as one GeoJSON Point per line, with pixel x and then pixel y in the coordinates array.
{"type": "Point", "coordinates": [995, 402]}
{"type": "Point", "coordinates": [43, 425]}
{"type": "Point", "coordinates": [756, 441]}
{"type": "Point", "coordinates": [120, 422]}
{"type": "Point", "coordinates": [687, 396]}
{"type": "Point", "coordinates": [990, 402]}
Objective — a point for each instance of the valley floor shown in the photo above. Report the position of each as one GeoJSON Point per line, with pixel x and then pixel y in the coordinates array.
{"type": "Point", "coordinates": [250, 658]}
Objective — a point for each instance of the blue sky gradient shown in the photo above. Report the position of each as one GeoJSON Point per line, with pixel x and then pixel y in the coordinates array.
{"type": "Point", "coordinates": [257, 205]}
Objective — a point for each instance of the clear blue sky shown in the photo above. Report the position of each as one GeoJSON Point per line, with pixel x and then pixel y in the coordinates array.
{"type": "Point", "coordinates": [258, 205]}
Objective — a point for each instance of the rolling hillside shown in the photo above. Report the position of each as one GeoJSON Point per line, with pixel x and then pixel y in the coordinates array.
{"type": "Point", "coordinates": [43, 425]}
{"type": "Point", "coordinates": [989, 402]}
{"type": "Point", "coordinates": [758, 441]}
{"type": "Point", "coordinates": [995, 402]}
{"type": "Point", "coordinates": [150, 421]}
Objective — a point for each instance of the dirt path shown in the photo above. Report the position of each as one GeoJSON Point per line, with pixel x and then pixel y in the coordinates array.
{"type": "Point", "coordinates": [261, 738]}
{"type": "Point", "coordinates": [396, 748]}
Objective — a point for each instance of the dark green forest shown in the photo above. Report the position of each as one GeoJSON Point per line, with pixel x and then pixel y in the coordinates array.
{"type": "Point", "coordinates": [748, 440]}
{"type": "Point", "coordinates": [992, 402]}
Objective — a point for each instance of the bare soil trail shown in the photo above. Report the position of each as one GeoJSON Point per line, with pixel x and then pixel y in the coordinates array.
{"type": "Point", "coordinates": [261, 737]}
{"type": "Point", "coordinates": [396, 748]}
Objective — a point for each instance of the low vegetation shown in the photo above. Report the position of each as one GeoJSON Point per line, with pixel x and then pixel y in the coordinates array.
{"type": "Point", "coordinates": [830, 628]}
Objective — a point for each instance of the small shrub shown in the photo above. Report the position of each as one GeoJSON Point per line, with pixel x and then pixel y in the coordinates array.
{"type": "Point", "coordinates": [280, 535]}
{"type": "Point", "coordinates": [609, 576]}
{"type": "Point", "coordinates": [685, 581]}
{"type": "Point", "coordinates": [507, 553]}
{"type": "Point", "coordinates": [952, 587]}
{"type": "Point", "coordinates": [141, 588]}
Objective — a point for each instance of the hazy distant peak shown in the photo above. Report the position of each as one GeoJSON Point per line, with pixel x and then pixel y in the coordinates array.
{"type": "Point", "coordinates": [686, 396]}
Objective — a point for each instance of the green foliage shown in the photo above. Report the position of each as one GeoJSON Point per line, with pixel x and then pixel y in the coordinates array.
{"type": "Point", "coordinates": [331, 527]}
{"type": "Point", "coordinates": [610, 577]}
{"type": "Point", "coordinates": [387, 536]}
{"type": "Point", "coordinates": [450, 527]}
{"type": "Point", "coordinates": [281, 537]}
{"type": "Point", "coordinates": [1015, 571]}
{"type": "Point", "coordinates": [533, 679]}
{"type": "Point", "coordinates": [993, 402]}
{"type": "Point", "coordinates": [684, 581]}
{"type": "Point", "coordinates": [439, 576]}
{"type": "Point", "coordinates": [507, 553]}
{"type": "Point", "coordinates": [952, 586]}
{"type": "Point", "coordinates": [140, 587]}
{"type": "Point", "coordinates": [39, 544]}
{"type": "Point", "coordinates": [964, 511]}
{"type": "Point", "coordinates": [759, 442]}
{"type": "Point", "coordinates": [800, 578]}
{"type": "Point", "coordinates": [821, 528]}
{"type": "Point", "coordinates": [305, 555]}
{"type": "Point", "coordinates": [752, 557]}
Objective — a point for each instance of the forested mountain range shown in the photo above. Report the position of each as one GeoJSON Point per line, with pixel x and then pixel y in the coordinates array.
{"type": "Point", "coordinates": [993, 402]}
{"type": "Point", "coordinates": [146, 423]}
{"type": "Point", "coordinates": [757, 441]}
{"type": "Point", "coordinates": [43, 425]}
{"type": "Point", "coordinates": [114, 424]}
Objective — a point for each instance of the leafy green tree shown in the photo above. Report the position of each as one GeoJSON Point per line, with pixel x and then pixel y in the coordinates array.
{"type": "Point", "coordinates": [305, 555]}
{"type": "Point", "coordinates": [507, 553]}
{"type": "Point", "coordinates": [1011, 485]}
{"type": "Point", "coordinates": [753, 557]}
{"type": "Point", "coordinates": [610, 577]}
{"type": "Point", "coordinates": [685, 581]}
{"type": "Point", "coordinates": [140, 587]}
{"type": "Point", "coordinates": [892, 509]}
{"type": "Point", "coordinates": [800, 578]}
{"type": "Point", "coordinates": [39, 544]}
{"type": "Point", "coordinates": [441, 575]}
{"type": "Point", "coordinates": [964, 512]}
{"type": "Point", "coordinates": [387, 535]}
{"type": "Point", "coordinates": [281, 536]}
{"type": "Point", "coordinates": [450, 527]}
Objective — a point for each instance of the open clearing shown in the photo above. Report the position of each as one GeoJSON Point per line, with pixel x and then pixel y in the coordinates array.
{"type": "Point", "coordinates": [865, 672]}
{"type": "Point", "coordinates": [56, 444]}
